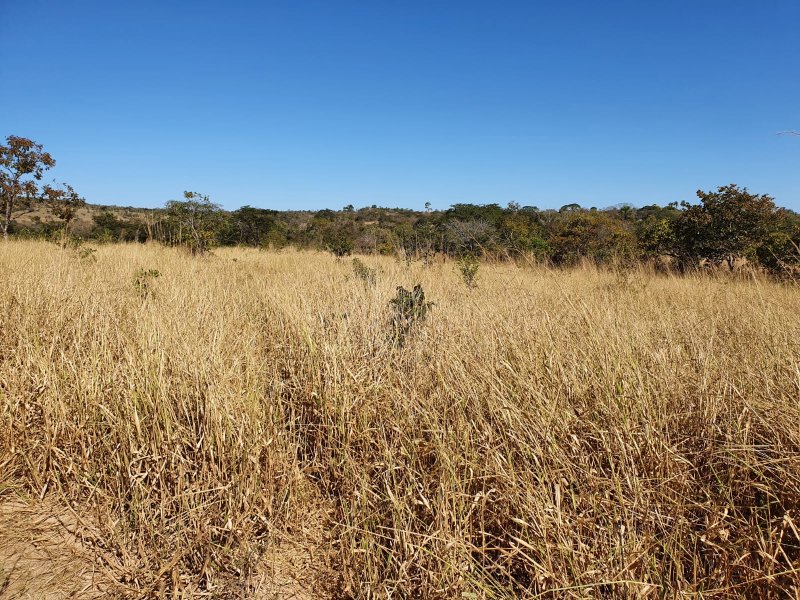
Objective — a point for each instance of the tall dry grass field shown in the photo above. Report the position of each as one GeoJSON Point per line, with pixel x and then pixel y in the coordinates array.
{"type": "Point", "coordinates": [558, 434]}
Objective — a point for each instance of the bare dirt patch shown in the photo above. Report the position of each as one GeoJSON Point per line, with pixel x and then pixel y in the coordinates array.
{"type": "Point", "coordinates": [298, 565]}
{"type": "Point", "coordinates": [45, 554]}
{"type": "Point", "coordinates": [50, 552]}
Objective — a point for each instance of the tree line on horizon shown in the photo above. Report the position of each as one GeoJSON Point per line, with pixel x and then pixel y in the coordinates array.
{"type": "Point", "coordinates": [724, 227]}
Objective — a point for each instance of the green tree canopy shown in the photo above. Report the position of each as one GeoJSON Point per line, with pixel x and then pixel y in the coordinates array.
{"type": "Point", "coordinates": [195, 220]}
{"type": "Point", "coordinates": [728, 224]}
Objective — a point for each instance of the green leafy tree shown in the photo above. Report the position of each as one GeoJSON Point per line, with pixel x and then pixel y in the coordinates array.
{"type": "Point", "coordinates": [728, 224]}
{"type": "Point", "coordinates": [523, 234]}
{"type": "Point", "coordinates": [338, 241]}
{"type": "Point", "coordinates": [627, 212]}
{"type": "Point", "coordinates": [779, 253]}
{"type": "Point", "coordinates": [22, 164]}
{"type": "Point", "coordinates": [195, 220]}
{"type": "Point", "coordinates": [487, 213]}
{"type": "Point", "coordinates": [252, 226]}
{"type": "Point", "coordinates": [656, 236]}
{"type": "Point", "coordinates": [108, 228]}
{"type": "Point", "coordinates": [334, 232]}
{"type": "Point", "coordinates": [593, 235]}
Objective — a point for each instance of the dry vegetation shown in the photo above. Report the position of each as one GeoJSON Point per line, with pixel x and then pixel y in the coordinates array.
{"type": "Point", "coordinates": [82, 222]}
{"type": "Point", "coordinates": [242, 425]}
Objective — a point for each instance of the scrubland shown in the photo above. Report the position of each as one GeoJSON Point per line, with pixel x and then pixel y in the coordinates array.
{"type": "Point", "coordinates": [550, 433]}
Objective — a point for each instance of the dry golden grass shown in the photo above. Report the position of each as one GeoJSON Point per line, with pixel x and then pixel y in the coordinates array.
{"type": "Point", "coordinates": [548, 434]}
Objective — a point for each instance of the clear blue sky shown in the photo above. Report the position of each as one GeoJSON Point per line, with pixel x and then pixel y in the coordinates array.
{"type": "Point", "coordinates": [312, 104]}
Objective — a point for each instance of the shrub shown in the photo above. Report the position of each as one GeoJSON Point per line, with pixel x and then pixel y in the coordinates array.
{"type": "Point", "coordinates": [594, 236]}
{"type": "Point", "coordinates": [409, 308]}
{"type": "Point", "coordinates": [340, 247]}
{"type": "Point", "coordinates": [143, 281]}
{"type": "Point", "coordinates": [468, 267]}
{"type": "Point", "coordinates": [87, 253]}
{"type": "Point", "coordinates": [366, 274]}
